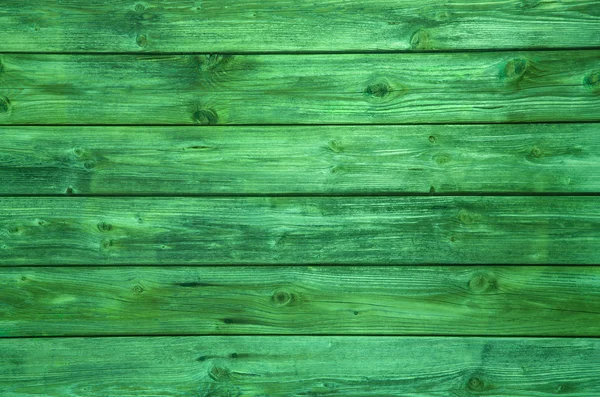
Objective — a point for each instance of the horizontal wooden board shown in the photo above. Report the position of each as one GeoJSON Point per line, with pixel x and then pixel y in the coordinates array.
{"type": "Point", "coordinates": [300, 89]}
{"type": "Point", "coordinates": [478, 300]}
{"type": "Point", "coordinates": [296, 159]}
{"type": "Point", "coordinates": [286, 25]}
{"type": "Point", "coordinates": [299, 230]}
{"type": "Point", "coordinates": [300, 366]}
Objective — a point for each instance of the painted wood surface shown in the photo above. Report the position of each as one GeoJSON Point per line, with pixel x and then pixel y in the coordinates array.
{"type": "Point", "coordinates": [476, 300]}
{"type": "Point", "coordinates": [299, 230]}
{"type": "Point", "coordinates": [300, 89]}
{"type": "Point", "coordinates": [227, 198]}
{"type": "Point", "coordinates": [286, 25]}
{"type": "Point", "coordinates": [300, 366]}
{"type": "Point", "coordinates": [453, 159]}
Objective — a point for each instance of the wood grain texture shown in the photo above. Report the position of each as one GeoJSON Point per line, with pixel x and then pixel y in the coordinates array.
{"type": "Point", "coordinates": [286, 25]}
{"type": "Point", "coordinates": [300, 366]}
{"type": "Point", "coordinates": [478, 300]}
{"type": "Point", "coordinates": [540, 158]}
{"type": "Point", "coordinates": [300, 89]}
{"type": "Point", "coordinates": [299, 230]}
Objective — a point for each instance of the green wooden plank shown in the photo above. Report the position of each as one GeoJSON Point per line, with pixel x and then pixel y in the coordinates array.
{"type": "Point", "coordinates": [478, 300]}
{"type": "Point", "coordinates": [300, 89]}
{"type": "Point", "coordinates": [299, 230]}
{"type": "Point", "coordinates": [300, 366]}
{"type": "Point", "coordinates": [286, 25]}
{"type": "Point", "coordinates": [297, 159]}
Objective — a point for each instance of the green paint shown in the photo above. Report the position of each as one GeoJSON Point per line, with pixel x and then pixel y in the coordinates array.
{"type": "Point", "coordinates": [300, 230]}
{"type": "Point", "coordinates": [299, 366]}
{"type": "Point", "coordinates": [542, 158]}
{"type": "Point", "coordinates": [296, 26]}
{"type": "Point", "coordinates": [478, 87]}
{"type": "Point", "coordinates": [491, 300]}
{"type": "Point", "coordinates": [362, 134]}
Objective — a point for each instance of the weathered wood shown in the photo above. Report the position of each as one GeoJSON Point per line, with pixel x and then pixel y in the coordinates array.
{"type": "Point", "coordinates": [286, 25]}
{"type": "Point", "coordinates": [299, 230]}
{"type": "Point", "coordinates": [300, 89]}
{"type": "Point", "coordinates": [296, 159]}
{"type": "Point", "coordinates": [479, 300]}
{"type": "Point", "coordinates": [299, 366]}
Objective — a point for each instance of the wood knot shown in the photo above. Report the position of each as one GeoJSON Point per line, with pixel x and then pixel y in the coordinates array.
{"type": "Point", "coordinates": [336, 169]}
{"type": "Point", "coordinates": [440, 16]}
{"type": "Point", "coordinates": [205, 117]}
{"type": "Point", "coordinates": [529, 4]}
{"type": "Point", "coordinates": [212, 62]}
{"type": "Point", "coordinates": [139, 7]}
{"type": "Point", "coordinates": [88, 165]}
{"type": "Point", "coordinates": [535, 152]}
{"type": "Point", "coordinates": [514, 70]}
{"type": "Point", "coordinates": [4, 105]}
{"type": "Point", "coordinates": [78, 152]}
{"type": "Point", "coordinates": [141, 41]}
{"type": "Point", "coordinates": [13, 230]}
{"type": "Point", "coordinates": [219, 373]}
{"type": "Point", "coordinates": [467, 217]}
{"type": "Point", "coordinates": [23, 278]}
{"type": "Point", "coordinates": [282, 298]}
{"type": "Point", "coordinates": [420, 40]}
{"type": "Point", "coordinates": [442, 159]}
{"type": "Point", "coordinates": [69, 191]}
{"type": "Point", "coordinates": [106, 244]}
{"type": "Point", "coordinates": [104, 227]}
{"type": "Point", "coordinates": [481, 283]}
{"type": "Point", "coordinates": [138, 289]}
{"type": "Point", "coordinates": [334, 146]}
{"type": "Point", "coordinates": [432, 139]}
{"type": "Point", "coordinates": [592, 81]}
{"type": "Point", "coordinates": [476, 384]}
{"type": "Point", "coordinates": [378, 90]}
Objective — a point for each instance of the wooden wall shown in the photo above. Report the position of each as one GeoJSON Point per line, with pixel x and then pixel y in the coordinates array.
{"type": "Point", "coordinates": [226, 198]}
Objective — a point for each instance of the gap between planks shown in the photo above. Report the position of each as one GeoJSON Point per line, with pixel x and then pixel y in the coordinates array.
{"type": "Point", "coordinates": [308, 52]}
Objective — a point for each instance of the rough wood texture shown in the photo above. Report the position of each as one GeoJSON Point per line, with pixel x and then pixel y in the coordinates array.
{"type": "Point", "coordinates": [300, 366]}
{"type": "Point", "coordinates": [287, 25]}
{"type": "Point", "coordinates": [300, 89]}
{"type": "Point", "coordinates": [362, 134]}
{"type": "Point", "coordinates": [481, 300]}
{"type": "Point", "coordinates": [296, 159]}
{"type": "Point", "coordinates": [300, 230]}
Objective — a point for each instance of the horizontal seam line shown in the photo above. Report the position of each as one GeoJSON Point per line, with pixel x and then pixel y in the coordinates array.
{"type": "Point", "coordinates": [288, 265]}
{"type": "Point", "coordinates": [313, 335]}
{"type": "Point", "coordinates": [301, 195]}
{"type": "Point", "coordinates": [311, 264]}
{"type": "Point", "coordinates": [309, 124]}
{"type": "Point", "coordinates": [311, 52]}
